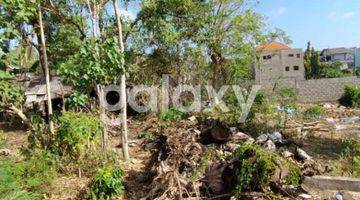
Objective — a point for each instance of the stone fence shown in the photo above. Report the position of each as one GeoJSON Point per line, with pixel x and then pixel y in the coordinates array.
{"type": "Point", "coordinates": [316, 90]}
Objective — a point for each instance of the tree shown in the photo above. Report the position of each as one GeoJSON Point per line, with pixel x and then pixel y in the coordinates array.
{"type": "Point", "coordinates": [46, 69]}
{"type": "Point", "coordinates": [280, 35]}
{"type": "Point", "coordinates": [225, 32]}
{"type": "Point", "coordinates": [307, 61]}
{"type": "Point", "coordinates": [123, 114]}
{"type": "Point", "coordinates": [313, 67]}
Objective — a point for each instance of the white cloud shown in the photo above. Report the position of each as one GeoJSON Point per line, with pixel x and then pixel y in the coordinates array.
{"type": "Point", "coordinates": [335, 15]}
{"type": "Point", "coordinates": [279, 11]}
{"type": "Point", "coordinates": [349, 14]}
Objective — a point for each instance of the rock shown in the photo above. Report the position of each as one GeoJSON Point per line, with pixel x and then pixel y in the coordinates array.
{"type": "Point", "coordinates": [5, 152]}
{"type": "Point", "coordinates": [276, 137]}
{"type": "Point", "coordinates": [239, 136]}
{"type": "Point", "coordinates": [269, 145]}
{"type": "Point", "coordinates": [262, 138]}
{"type": "Point", "coordinates": [305, 196]}
{"type": "Point", "coordinates": [302, 154]}
{"type": "Point", "coordinates": [197, 131]}
{"type": "Point", "coordinates": [287, 154]}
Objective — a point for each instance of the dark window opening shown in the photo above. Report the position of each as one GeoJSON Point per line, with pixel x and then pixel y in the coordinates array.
{"type": "Point", "coordinates": [298, 55]}
{"type": "Point", "coordinates": [296, 68]}
{"type": "Point", "coordinates": [287, 69]}
{"type": "Point", "coordinates": [291, 55]}
{"type": "Point", "coordinates": [267, 57]}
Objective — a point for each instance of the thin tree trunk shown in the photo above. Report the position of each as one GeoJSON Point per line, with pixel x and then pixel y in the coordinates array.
{"type": "Point", "coordinates": [94, 12]}
{"type": "Point", "coordinates": [123, 114]}
{"type": "Point", "coordinates": [47, 75]}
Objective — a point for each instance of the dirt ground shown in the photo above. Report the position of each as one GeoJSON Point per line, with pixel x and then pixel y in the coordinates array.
{"type": "Point", "coordinates": [322, 142]}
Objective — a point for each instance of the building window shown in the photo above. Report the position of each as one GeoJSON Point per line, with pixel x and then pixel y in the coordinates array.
{"type": "Point", "coordinates": [268, 57]}
{"type": "Point", "coordinates": [287, 68]}
{"type": "Point", "coordinates": [298, 55]}
{"type": "Point", "coordinates": [296, 68]}
{"type": "Point", "coordinates": [291, 55]}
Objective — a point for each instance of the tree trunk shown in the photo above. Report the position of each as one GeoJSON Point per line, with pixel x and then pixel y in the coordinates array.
{"type": "Point", "coordinates": [123, 88]}
{"type": "Point", "coordinates": [46, 68]}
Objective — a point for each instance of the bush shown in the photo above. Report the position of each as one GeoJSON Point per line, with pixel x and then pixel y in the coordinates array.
{"type": "Point", "coordinates": [76, 101]}
{"type": "Point", "coordinates": [287, 97]}
{"type": "Point", "coordinates": [27, 179]}
{"type": "Point", "coordinates": [107, 183]}
{"type": "Point", "coordinates": [351, 96]}
{"type": "Point", "coordinates": [76, 131]}
{"type": "Point", "coordinates": [10, 94]}
{"type": "Point", "coordinates": [351, 153]}
{"type": "Point", "coordinates": [258, 167]}
{"type": "Point", "coordinates": [172, 115]}
{"type": "Point", "coordinates": [314, 111]}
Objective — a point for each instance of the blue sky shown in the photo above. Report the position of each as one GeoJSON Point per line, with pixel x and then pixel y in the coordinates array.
{"type": "Point", "coordinates": [326, 23]}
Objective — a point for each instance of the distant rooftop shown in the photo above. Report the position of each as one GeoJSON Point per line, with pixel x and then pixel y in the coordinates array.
{"type": "Point", "coordinates": [340, 50]}
{"type": "Point", "coordinates": [272, 46]}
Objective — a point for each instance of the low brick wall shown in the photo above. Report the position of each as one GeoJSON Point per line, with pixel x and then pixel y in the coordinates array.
{"type": "Point", "coordinates": [314, 91]}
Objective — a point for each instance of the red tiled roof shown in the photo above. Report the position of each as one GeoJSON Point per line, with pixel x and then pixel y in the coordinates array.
{"type": "Point", "coordinates": [272, 46]}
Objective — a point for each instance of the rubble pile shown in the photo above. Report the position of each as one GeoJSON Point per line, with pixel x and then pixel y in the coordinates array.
{"type": "Point", "coordinates": [186, 162]}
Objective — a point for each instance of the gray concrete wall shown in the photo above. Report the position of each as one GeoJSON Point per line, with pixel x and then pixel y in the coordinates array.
{"type": "Point", "coordinates": [313, 91]}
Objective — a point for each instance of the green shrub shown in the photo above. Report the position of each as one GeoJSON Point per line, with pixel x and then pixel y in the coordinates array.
{"type": "Point", "coordinates": [76, 131]}
{"type": "Point", "coordinates": [172, 115]}
{"type": "Point", "coordinates": [258, 167]}
{"type": "Point", "coordinates": [27, 179]}
{"type": "Point", "coordinates": [107, 183]}
{"type": "Point", "coordinates": [351, 153]}
{"type": "Point", "coordinates": [287, 97]}
{"type": "Point", "coordinates": [10, 94]}
{"type": "Point", "coordinates": [351, 96]}
{"type": "Point", "coordinates": [40, 136]}
{"type": "Point", "coordinates": [314, 111]}
{"type": "Point", "coordinates": [76, 101]}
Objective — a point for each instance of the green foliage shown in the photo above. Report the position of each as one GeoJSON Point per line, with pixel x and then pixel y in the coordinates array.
{"type": "Point", "coordinates": [287, 97]}
{"type": "Point", "coordinates": [107, 183]}
{"type": "Point", "coordinates": [10, 94]}
{"type": "Point", "coordinates": [314, 111]}
{"type": "Point", "coordinates": [76, 131]}
{"type": "Point", "coordinates": [258, 166]}
{"type": "Point", "coordinates": [27, 179]}
{"type": "Point", "coordinates": [5, 75]}
{"type": "Point", "coordinates": [351, 96]}
{"type": "Point", "coordinates": [172, 115]}
{"type": "Point", "coordinates": [334, 71]}
{"type": "Point", "coordinates": [97, 62]}
{"type": "Point", "coordinates": [351, 153]}
{"type": "Point", "coordinates": [256, 169]}
{"type": "Point", "coordinates": [294, 175]}
{"type": "Point", "coordinates": [40, 136]}
{"type": "Point", "coordinates": [76, 101]}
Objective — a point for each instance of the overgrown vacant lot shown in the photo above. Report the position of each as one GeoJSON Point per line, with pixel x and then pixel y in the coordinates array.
{"type": "Point", "coordinates": [175, 154]}
{"type": "Point", "coordinates": [174, 99]}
